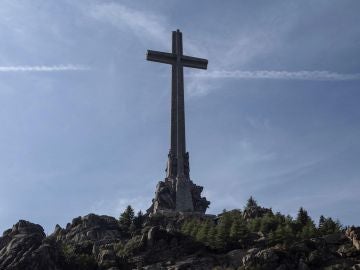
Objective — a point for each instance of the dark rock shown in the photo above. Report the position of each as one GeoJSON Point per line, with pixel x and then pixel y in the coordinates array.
{"type": "Point", "coordinates": [302, 265]}
{"type": "Point", "coordinates": [94, 228]}
{"type": "Point", "coordinates": [347, 250]}
{"type": "Point", "coordinates": [195, 263]}
{"type": "Point", "coordinates": [256, 211]}
{"type": "Point", "coordinates": [316, 258]}
{"type": "Point", "coordinates": [107, 258]}
{"type": "Point", "coordinates": [235, 257]}
{"type": "Point", "coordinates": [23, 248]}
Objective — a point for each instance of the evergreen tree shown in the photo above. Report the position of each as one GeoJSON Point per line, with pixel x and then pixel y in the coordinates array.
{"type": "Point", "coordinates": [308, 230]}
{"type": "Point", "coordinates": [238, 229]}
{"type": "Point", "coordinates": [283, 234]}
{"type": "Point", "coordinates": [126, 218]}
{"type": "Point", "coordinates": [269, 223]}
{"type": "Point", "coordinates": [329, 226]}
{"type": "Point", "coordinates": [254, 225]}
{"type": "Point", "coordinates": [202, 234]}
{"type": "Point", "coordinates": [137, 222]}
{"type": "Point", "coordinates": [223, 231]}
{"type": "Point", "coordinates": [251, 203]}
{"type": "Point", "coordinates": [211, 237]}
{"type": "Point", "coordinates": [321, 221]}
{"type": "Point", "coordinates": [302, 217]}
{"type": "Point", "coordinates": [195, 228]}
{"type": "Point", "coordinates": [188, 226]}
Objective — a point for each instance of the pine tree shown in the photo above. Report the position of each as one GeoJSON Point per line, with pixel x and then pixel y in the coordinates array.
{"type": "Point", "coordinates": [223, 231]}
{"type": "Point", "coordinates": [126, 218]}
{"type": "Point", "coordinates": [137, 223]}
{"type": "Point", "coordinates": [329, 226]}
{"type": "Point", "coordinates": [269, 223]}
{"type": "Point", "coordinates": [308, 230]}
{"type": "Point", "coordinates": [283, 234]}
{"type": "Point", "coordinates": [251, 203]}
{"type": "Point", "coordinates": [321, 221]}
{"type": "Point", "coordinates": [238, 229]}
{"type": "Point", "coordinates": [211, 237]}
{"type": "Point", "coordinates": [202, 234]}
{"type": "Point", "coordinates": [302, 217]}
{"type": "Point", "coordinates": [254, 225]}
{"type": "Point", "coordinates": [187, 227]}
{"type": "Point", "coordinates": [195, 229]}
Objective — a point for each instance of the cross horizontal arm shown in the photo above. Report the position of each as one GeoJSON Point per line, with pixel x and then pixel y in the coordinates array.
{"type": "Point", "coordinates": [161, 57]}
{"type": "Point", "coordinates": [194, 62]}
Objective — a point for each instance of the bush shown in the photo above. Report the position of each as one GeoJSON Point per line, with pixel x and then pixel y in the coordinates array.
{"type": "Point", "coordinates": [78, 261]}
{"type": "Point", "coordinates": [131, 247]}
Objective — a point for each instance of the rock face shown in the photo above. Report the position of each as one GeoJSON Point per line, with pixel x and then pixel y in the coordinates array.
{"type": "Point", "coordinates": [166, 196]}
{"type": "Point", "coordinates": [86, 243]}
{"type": "Point", "coordinates": [256, 211]}
{"type": "Point", "coordinates": [354, 235]}
{"type": "Point", "coordinates": [99, 230]}
{"type": "Point", "coordinates": [24, 247]}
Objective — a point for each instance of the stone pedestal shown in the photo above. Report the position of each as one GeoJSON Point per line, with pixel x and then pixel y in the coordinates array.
{"type": "Point", "coordinates": [178, 196]}
{"type": "Point", "coordinates": [184, 201]}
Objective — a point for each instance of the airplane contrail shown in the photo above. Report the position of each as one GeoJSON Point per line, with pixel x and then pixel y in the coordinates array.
{"type": "Point", "coordinates": [54, 68]}
{"type": "Point", "coordinates": [278, 75]}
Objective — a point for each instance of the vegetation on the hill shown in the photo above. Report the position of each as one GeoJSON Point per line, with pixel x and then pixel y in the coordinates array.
{"type": "Point", "coordinates": [251, 227]}
{"type": "Point", "coordinates": [232, 230]}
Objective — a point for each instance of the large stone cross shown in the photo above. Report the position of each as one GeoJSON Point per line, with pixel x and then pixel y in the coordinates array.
{"type": "Point", "coordinates": [178, 160]}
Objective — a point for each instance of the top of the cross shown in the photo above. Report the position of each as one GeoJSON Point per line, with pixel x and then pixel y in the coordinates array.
{"type": "Point", "coordinates": [176, 57]}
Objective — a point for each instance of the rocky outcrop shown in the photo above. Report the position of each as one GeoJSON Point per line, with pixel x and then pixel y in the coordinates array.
{"type": "Point", "coordinates": [88, 242]}
{"type": "Point", "coordinates": [99, 230]}
{"type": "Point", "coordinates": [25, 247]}
{"type": "Point", "coordinates": [93, 238]}
{"type": "Point", "coordinates": [255, 211]}
{"type": "Point", "coordinates": [353, 233]}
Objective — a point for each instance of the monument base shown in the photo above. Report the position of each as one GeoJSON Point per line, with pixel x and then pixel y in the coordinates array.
{"type": "Point", "coordinates": [167, 196]}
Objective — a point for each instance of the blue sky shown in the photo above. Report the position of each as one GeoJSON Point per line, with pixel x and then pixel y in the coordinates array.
{"type": "Point", "coordinates": [85, 119]}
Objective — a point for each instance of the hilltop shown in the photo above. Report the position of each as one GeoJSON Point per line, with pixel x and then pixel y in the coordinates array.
{"type": "Point", "coordinates": [251, 238]}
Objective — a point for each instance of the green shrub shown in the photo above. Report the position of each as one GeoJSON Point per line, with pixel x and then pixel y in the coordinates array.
{"type": "Point", "coordinates": [77, 261]}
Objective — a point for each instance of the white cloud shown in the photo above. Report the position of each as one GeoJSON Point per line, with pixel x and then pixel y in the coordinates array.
{"type": "Point", "coordinates": [278, 75]}
{"type": "Point", "coordinates": [43, 68]}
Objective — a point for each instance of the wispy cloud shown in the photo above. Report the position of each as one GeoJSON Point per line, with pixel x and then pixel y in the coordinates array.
{"type": "Point", "coordinates": [56, 68]}
{"type": "Point", "coordinates": [278, 75]}
{"type": "Point", "coordinates": [142, 24]}
{"type": "Point", "coordinates": [145, 25]}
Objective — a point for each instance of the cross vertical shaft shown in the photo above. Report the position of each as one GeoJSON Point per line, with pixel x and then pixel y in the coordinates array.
{"type": "Point", "coordinates": [181, 144]}
{"type": "Point", "coordinates": [172, 159]}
